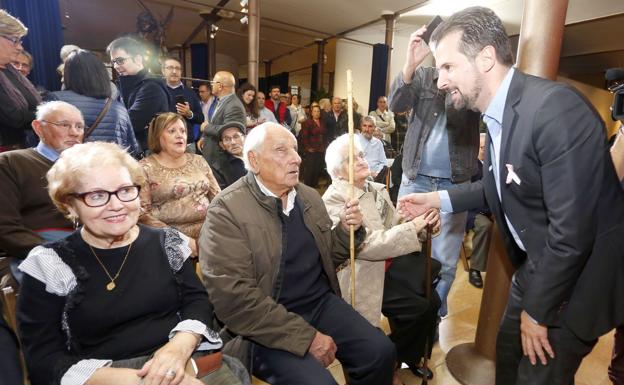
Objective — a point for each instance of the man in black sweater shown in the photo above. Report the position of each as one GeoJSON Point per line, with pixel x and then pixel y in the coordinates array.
{"type": "Point", "coordinates": [143, 95]}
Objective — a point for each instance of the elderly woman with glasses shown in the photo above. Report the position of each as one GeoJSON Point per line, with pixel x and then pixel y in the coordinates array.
{"type": "Point", "coordinates": [179, 185]}
{"type": "Point", "coordinates": [115, 302]}
{"type": "Point", "coordinates": [18, 97]}
{"type": "Point", "coordinates": [386, 238]}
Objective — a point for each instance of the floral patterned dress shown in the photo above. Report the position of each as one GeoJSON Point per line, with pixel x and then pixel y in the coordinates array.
{"type": "Point", "coordinates": [177, 197]}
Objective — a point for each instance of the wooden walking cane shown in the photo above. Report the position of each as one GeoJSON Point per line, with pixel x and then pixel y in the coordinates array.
{"type": "Point", "coordinates": [351, 192]}
{"type": "Point", "coordinates": [425, 368]}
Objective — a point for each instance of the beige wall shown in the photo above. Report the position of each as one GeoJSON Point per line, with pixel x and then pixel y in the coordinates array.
{"type": "Point", "coordinates": [600, 98]}
{"type": "Point", "coordinates": [358, 58]}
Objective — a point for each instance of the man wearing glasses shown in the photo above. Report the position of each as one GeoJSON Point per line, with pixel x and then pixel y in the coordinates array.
{"type": "Point", "coordinates": [143, 95]}
{"type": "Point", "coordinates": [230, 167]}
{"type": "Point", "coordinates": [186, 101]}
{"type": "Point", "coordinates": [29, 218]}
{"type": "Point", "coordinates": [229, 109]}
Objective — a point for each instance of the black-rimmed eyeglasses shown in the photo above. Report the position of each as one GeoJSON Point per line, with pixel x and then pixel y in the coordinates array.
{"type": "Point", "coordinates": [120, 60]}
{"type": "Point", "coordinates": [99, 198]}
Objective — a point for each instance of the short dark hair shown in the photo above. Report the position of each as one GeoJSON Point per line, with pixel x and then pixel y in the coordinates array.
{"type": "Point", "coordinates": [86, 75]}
{"type": "Point", "coordinates": [251, 108]}
{"type": "Point", "coordinates": [480, 27]}
{"type": "Point", "coordinates": [164, 59]}
{"type": "Point", "coordinates": [128, 44]}
{"type": "Point", "coordinates": [273, 87]}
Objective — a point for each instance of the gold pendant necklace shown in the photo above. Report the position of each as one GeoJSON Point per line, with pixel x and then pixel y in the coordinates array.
{"type": "Point", "coordinates": [111, 285]}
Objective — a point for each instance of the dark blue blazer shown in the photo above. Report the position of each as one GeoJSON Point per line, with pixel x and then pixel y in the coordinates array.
{"type": "Point", "coordinates": [567, 209]}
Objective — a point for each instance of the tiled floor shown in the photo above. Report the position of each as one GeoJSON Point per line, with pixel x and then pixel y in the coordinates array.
{"type": "Point", "coordinates": [460, 327]}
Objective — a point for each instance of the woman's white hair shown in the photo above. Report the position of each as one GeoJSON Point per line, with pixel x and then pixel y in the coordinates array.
{"type": "Point", "coordinates": [336, 153]}
{"type": "Point", "coordinates": [255, 139]}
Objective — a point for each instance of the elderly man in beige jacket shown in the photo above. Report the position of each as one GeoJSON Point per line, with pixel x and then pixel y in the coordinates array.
{"type": "Point", "coordinates": [386, 238]}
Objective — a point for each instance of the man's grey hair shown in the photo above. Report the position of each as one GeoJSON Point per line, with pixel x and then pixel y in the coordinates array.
{"type": "Point", "coordinates": [336, 153]}
{"type": "Point", "coordinates": [45, 109]}
{"type": "Point", "coordinates": [480, 27]}
{"type": "Point", "coordinates": [255, 140]}
{"type": "Point", "coordinates": [368, 118]}
{"type": "Point", "coordinates": [66, 50]}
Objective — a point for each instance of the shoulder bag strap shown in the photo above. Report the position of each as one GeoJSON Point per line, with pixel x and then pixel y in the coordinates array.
{"type": "Point", "coordinates": [90, 130]}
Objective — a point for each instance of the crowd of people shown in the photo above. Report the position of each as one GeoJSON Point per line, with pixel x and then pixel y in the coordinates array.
{"type": "Point", "coordinates": [159, 235]}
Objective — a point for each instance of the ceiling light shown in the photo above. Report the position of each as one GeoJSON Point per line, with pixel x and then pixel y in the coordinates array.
{"type": "Point", "coordinates": [244, 20]}
{"type": "Point", "coordinates": [243, 3]}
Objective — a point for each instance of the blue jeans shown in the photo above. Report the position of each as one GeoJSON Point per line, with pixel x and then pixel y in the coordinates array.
{"type": "Point", "coordinates": [444, 247]}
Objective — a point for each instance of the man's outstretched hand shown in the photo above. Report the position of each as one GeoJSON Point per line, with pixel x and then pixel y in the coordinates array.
{"type": "Point", "coordinates": [412, 205]}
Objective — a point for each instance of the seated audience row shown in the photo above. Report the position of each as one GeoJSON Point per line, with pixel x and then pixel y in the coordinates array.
{"type": "Point", "coordinates": [162, 321]}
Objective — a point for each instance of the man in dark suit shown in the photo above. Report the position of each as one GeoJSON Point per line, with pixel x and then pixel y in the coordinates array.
{"type": "Point", "coordinates": [229, 109]}
{"type": "Point", "coordinates": [561, 210]}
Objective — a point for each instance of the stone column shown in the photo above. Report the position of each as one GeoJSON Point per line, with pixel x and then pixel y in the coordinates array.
{"type": "Point", "coordinates": [320, 57]}
{"type": "Point", "coordinates": [390, 18]}
{"type": "Point", "coordinates": [254, 42]}
{"type": "Point", "coordinates": [541, 34]}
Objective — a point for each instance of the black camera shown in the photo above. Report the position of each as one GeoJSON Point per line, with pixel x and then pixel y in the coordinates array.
{"type": "Point", "coordinates": [615, 85]}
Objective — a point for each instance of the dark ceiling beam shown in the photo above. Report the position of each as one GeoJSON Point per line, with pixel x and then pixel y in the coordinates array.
{"type": "Point", "coordinates": [279, 42]}
{"type": "Point", "coordinates": [411, 8]}
{"type": "Point", "coordinates": [584, 54]}
{"type": "Point", "coordinates": [200, 27]}
{"type": "Point", "coordinates": [169, 4]}
{"type": "Point", "coordinates": [214, 17]}
{"type": "Point", "coordinates": [336, 36]}
{"type": "Point", "coordinates": [298, 27]}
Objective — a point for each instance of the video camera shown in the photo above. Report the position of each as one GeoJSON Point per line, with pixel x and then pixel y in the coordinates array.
{"type": "Point", "coordinates": [615, 84]}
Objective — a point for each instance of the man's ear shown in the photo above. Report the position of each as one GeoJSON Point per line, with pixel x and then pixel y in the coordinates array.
{"type": "Point", "coordinates": [138, 59]}
{"type": "Point", "coordinates": [253, 162]}
{"type": "Point", "coordinates": [486, 59]}
{"type": "Point", "coordinates": [37, 127]}
{"type": "Point", "coordinates": [221, 145]}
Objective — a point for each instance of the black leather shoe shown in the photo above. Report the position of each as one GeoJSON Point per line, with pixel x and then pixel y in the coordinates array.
{"type": "Point", "coordinates": [474, 277]}
{"type": "Point", "coordinates": [419, 371]}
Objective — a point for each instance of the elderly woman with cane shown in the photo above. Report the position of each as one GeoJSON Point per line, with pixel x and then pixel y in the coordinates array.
{"type": "Point", "coordinates": [412, 317]}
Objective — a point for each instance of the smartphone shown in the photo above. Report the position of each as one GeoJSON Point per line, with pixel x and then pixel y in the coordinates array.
{"type": "Point", "coordinates": [179, 99]}
{"type": "Point", "coordinates": [433, 24]}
